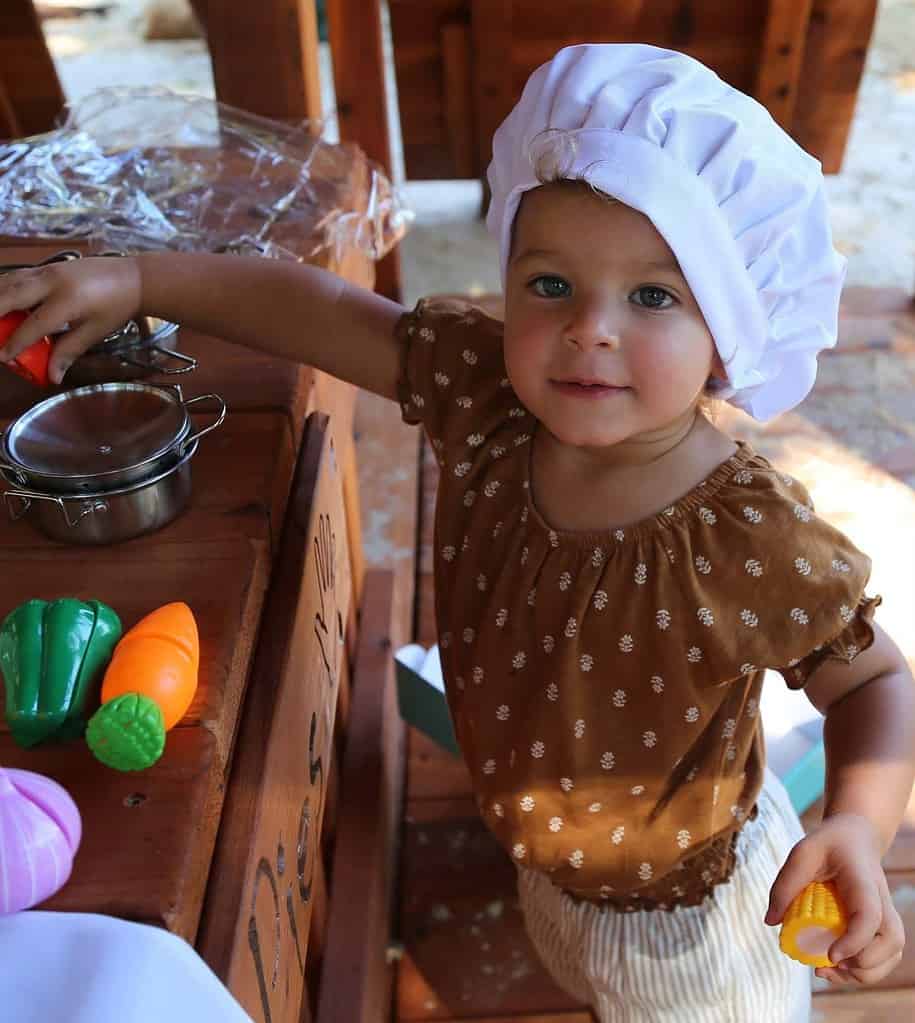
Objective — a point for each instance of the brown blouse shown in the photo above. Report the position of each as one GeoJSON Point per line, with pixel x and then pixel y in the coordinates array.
{"type": "Point", "coordinates": [605, 685]}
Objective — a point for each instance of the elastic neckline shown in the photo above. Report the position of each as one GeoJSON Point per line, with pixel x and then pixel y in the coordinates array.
{"type": "Point", "coordinates": [674, 513]}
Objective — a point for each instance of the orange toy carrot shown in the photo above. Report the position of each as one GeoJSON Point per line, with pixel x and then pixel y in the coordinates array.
{"type": "Point", "coordinates": [147, 689]}
{"type": "Point", "coordinates": [158, 658]}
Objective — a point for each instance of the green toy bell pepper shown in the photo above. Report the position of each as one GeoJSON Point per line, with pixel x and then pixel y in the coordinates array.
{"type": "Point", "coordinates": [52, 655]}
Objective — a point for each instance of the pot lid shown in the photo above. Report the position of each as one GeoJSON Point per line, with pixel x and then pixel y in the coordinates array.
{"type": "Point", "coordinates": [98, 429]}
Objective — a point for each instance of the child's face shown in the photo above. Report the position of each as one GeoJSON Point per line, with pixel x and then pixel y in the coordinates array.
{"type": "Point", "coordinates": [584, 303]}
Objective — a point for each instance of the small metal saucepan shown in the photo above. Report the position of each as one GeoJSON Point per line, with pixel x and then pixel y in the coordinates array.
{"type": "Point", "coordinates": [112, 516]}
{"type": "Point", "coordinates": [101, 438]}
{"type": "Point", "coordinates": [142, 347]}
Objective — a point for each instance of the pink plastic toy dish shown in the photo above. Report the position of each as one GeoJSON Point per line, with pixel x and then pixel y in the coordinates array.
{"type": "Point", "coordinates": [40, 831]}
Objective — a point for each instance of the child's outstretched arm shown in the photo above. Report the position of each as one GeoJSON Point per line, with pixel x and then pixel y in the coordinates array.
{"type": "Point", "coordinates": [870, 766]}
{"type": "Point", "coordinates": [283, 308]}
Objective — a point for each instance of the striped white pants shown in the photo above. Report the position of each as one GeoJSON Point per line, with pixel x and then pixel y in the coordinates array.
{"type": "Point", "coordinates": [713, 963]}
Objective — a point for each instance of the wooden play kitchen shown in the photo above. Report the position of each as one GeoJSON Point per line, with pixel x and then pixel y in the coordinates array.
{"type": "Point", "coordinates": [229, 838]}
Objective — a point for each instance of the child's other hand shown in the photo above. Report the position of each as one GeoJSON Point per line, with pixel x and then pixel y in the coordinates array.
{"type": "Point", "coordinates": [845, 849]}
{"type": "Point", "coordinates": [89, 298]}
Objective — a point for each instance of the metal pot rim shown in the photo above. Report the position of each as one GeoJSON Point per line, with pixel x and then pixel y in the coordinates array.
{"type": "Point", "coordinates": [34, 492]}
{"type": "Point", "coordinates": [33, 414]}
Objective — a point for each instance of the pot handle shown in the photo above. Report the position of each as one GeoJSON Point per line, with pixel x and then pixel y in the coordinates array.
{"type": "Point", "coordinates": [188, 362]}
{"type": "Point", "coordinates": [223, 408]}
{"type": "Point", "coordinates": [10, 468]}
{"type": "Point", "coordinates": [89, 507]}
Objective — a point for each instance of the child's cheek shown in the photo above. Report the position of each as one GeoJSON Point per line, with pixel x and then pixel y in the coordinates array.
{"type": "Point", "coordinates": [675, 366]}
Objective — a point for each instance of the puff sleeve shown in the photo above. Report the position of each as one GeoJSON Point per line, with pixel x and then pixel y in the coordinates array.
{"type": "Point", "coordinates": [792, 586]}
{"type": "Point", "coordinates": [452, 377]}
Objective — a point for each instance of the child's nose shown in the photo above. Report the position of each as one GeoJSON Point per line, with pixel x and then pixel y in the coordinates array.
{"type": "Point", "coordinates": [585, 341]}
{"type": "Point", "coordinates": [586, 337]}
{"type": "Point", "coordinates": [592, 327]}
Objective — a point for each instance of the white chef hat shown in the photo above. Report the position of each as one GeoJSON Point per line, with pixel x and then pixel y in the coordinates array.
{"type": "Point", "coordinates": [740, 204]}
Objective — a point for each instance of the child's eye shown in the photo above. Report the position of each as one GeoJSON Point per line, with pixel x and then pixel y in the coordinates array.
{"type": "Point", "coordinates": [655, 297]}
{"type": "Point", "coordinates": [550, 286]}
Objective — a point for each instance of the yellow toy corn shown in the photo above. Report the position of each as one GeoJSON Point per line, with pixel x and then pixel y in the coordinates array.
{"type": "Point", "coordinates": [812, 923]}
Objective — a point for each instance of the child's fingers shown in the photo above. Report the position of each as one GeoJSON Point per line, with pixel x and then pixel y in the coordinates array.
{"type": "Point", "coordinates": [888, 942]}
{"type": "Point", "coordinates": [864, 911]}
{"type": "Point", "coordinates": [881, 950]}
{"type": "Point", "coordinates": [798, 870]}
{"type": "Point", "coordinates": [833, 975]}
{"type": "Point", "coordinates": [46, 319]}
{"type": "Point", "coordinates": [874, 974]}
{"type": "Point", "coordinates": [22, 289]}
{"type": "Point", "coordinates": [68, 347]}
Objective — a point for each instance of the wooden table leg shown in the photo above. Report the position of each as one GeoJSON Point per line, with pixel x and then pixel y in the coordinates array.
{"type": "Point", "coordinates": [32, 98]}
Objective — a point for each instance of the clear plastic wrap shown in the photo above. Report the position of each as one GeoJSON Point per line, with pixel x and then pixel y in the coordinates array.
{"type": "Point", "coordinates": [146, 168]}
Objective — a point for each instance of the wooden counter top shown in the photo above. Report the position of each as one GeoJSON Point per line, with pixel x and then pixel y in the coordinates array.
{"type": "Point", "coordinates": [149, 837]}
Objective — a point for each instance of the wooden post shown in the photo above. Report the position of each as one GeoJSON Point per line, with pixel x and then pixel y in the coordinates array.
{"type": "Point", "coordinates": [264, 55]}
{"type": "Point", "coordinates": [9, 126]}
{"type": "Point", "coordinates": [356, 979]}
{"type": "Point", "coordinates": [782, 57]}
{"type": "Point", "coordinates": [33, 98]}
{"type": "Point", "coordinates": [457, 58]}
{"type": "Point", "coordinates": [491, 30]}
{"type": "Point", "coordinates": [355, 31]}
{"type": "Point", "coordinates": [837, 42]}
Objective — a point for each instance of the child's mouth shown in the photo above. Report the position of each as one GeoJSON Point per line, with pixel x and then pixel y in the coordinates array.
{"type": "Point", "coordinates": [577, 389]}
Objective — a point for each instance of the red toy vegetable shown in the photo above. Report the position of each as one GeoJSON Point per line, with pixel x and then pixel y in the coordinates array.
{"type": "Point", "coordinates": [33, 362]}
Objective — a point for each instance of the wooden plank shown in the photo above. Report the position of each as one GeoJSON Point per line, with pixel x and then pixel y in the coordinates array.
{"type": "Point", "coordinates": [356, 980]}
{"type": "Point", "coordinates": [834, 56]}
{"type": "Point", "coordinates": [863, 1005]}
{"type": "Point", "coordinates": [9, 125]}
{"type": "Point", "coordinates": [781, 58]}
{"type": "Point", "coordinates": [287, 84]}
{"type": "Point", "coordinates": [353, 502]}
{"type": "Point", "coordinates": [222, 581]}
{"type": "Point", "coordinates": [491, 25]}
{"type": "Point", "coordinates": [147, 837]}
{"type": "Point", "coordinates": [448, 848]}
{"type": "Point", "coordinates": [433, 773]}
{"type": "Point", "coordinates": [27, 72]}
{"type": "Point", "coordinates": [466, 952]}
{"type": "Point", "coordinates": [355, 32]}
{"type": "Point", "coordinates": [317, 941]}
{"type": "Point", "coordinates": [457, 57]}
{"type": "Point", "coordinates": [259, 904]}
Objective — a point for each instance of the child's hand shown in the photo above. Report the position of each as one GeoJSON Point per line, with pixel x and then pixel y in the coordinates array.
{"type": "Point", "coordinates": [845, 849]}
{"type": "Point", "coordinates": [89, 298]}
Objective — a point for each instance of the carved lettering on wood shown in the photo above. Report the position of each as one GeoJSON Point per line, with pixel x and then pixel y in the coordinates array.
{"type": "Point", "coordinates": [266, 972]}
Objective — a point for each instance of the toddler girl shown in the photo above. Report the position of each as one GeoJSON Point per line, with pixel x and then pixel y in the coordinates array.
{"type": "Point", "coordinates": [613, 573]}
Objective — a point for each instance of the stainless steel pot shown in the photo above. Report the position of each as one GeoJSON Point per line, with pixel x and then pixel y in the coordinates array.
{"type": "Point", "coordinates": [141, 348]}
{"type": "Point", "coordinates": [110, 516]}
{"type": "Point", "coordinates": [100, 438]}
